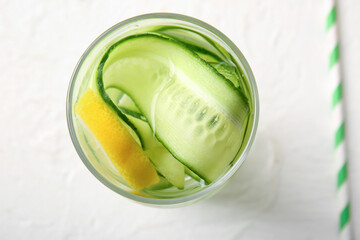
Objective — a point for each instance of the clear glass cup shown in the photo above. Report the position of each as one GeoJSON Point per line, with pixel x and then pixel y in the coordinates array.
{"type": "Point", "coordinates": [95, 159]}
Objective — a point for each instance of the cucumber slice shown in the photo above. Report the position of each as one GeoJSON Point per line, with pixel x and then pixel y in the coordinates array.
{"type": "Point", "coordinates": [228, 71]}
{"type": "Point", "coordinates": [194, 40]}
{"type": "Point", "coordinates": [146, 134]}
{"type": "Point", "coordinates": [167, 165]}
{"type": "Point", "coordinates": [192, 174]}
{"type": "Point", "coordinates": [163, 161]}
{"type": "Point", "coordinates": [207, 57]}
{"type": "Point", "coordinates": [187, 36]}
{"type": "Point", "coordinates": [126, 103]}
{"type": "Point", "coordinates": [115, 94]}
{"type": "Point", "coordinates": [128, 107]}
{"type": "Point", "coordinates": [196, 113]}
{"type": "Point", "coordinates": [163, 183]}
{"type": "Point", "coordinates": [202, 52]}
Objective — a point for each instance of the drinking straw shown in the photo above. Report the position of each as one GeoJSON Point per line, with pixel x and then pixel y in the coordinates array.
{"type": "Point", "coordinates": [341, 159]}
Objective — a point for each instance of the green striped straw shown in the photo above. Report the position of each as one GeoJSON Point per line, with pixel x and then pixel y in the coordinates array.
{"type": "Point", "coordinates": [339, 123]}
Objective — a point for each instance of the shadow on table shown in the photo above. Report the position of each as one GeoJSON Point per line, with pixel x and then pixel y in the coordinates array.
{"type": "Point", "coordinates": [253, 189]}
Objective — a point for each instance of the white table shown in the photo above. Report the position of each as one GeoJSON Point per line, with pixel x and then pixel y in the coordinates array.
{"type": "Point", "coordinates": [286, 190]}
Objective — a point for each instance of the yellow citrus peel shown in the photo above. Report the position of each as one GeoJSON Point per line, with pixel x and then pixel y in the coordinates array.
{"type": "Point", "coordinates": [125, 153]}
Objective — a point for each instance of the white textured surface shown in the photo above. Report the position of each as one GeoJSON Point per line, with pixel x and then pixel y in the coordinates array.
{"type": "Point", "coordinates": [285, 191]}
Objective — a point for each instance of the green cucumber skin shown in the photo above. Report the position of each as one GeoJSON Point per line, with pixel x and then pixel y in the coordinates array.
{"type": "Point", "coordinates": [106, 56]}
{"type": "Point", "coordinates": [132, 113]}
{"type": "Point", "coordinates": [163, 183]}
{"type": "Point", "coordinates": [108, 100]}
{"type": "Point", "coordinates": [128, 106]}
{"type": "Point", "coordinates": [114, 94]}
{"type": "Point", "coordinates": [210, 68]}
{"type": "Point", "coordinates": [163, 161]}
{"type": "Point", "coordinates": [196, 48]}
{"type": "Point", "coordinates": [167, 165]}
{"type": "Point", "coordinates": [208, 40]}
{"type": "Point", "coordinates": [192, 174]}
{"type": "Point", "coordinates": [151, 35]}
{"type": "Point", "coordinates": [199, 51]}
{"type": "Point", "coordinates": [125, 110]}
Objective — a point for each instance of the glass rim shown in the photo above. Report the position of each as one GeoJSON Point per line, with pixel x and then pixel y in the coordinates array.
{"type": "Point", "coordinates": [176, 200]}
